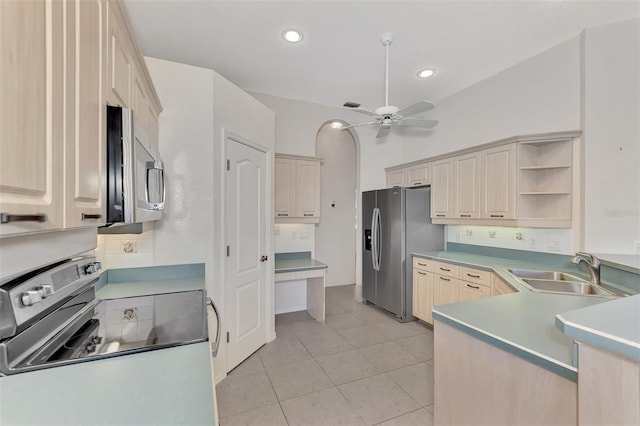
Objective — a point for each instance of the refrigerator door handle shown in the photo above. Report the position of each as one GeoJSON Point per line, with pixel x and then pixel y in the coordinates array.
{"type": "Point", "coordinates": [374, 242]}
{"type": "Point", "coordinates": [378, 239]}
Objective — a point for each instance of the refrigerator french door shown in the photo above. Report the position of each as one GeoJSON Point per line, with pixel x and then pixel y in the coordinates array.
{"type": "Point", "coordinates": [396, 223]}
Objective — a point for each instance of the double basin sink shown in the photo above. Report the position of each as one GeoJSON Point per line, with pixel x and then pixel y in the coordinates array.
{"type": "Point", "coordinates": [562, 282]}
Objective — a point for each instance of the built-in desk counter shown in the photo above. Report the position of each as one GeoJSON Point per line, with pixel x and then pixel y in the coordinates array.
{"type": "Point", "coordinates": [300, 266]}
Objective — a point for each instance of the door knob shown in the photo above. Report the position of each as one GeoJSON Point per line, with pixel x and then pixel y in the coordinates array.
{"type": "Point", "coordinates": [264, 259]}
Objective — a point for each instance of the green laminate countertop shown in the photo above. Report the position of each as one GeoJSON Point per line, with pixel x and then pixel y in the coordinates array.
{"type": "Point", "coordinates": [163, 387]}
{"type": "Point", "coordinates": [614, 326]}
{"type": "Point", "coordinates": [296, 261]}
{"type": "Point", "coordinates": [522, 323]}
{"type": "Point", "coordinates": [133, 282]}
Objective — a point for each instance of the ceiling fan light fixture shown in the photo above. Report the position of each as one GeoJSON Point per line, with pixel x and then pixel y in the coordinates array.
{"type": "Point", "coordinates": [426, 73]}
{"type": "Point", "coordinates": [335, 125]}
{"type": "Point", "coordinates": [292, 36]}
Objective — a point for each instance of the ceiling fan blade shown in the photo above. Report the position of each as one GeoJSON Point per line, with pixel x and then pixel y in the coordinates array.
{"type": "Point", "coordinates": [364, 111]}
{"type": "Point", "coordinates": [421, 106]}
{"type": "Point", "coordinates": [418, 122]}
{"type": "Point", "coordinates": [359, 124]}
{"type": "Point", "coordinates": [383, 131]}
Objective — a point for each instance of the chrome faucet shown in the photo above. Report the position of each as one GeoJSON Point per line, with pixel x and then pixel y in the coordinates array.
{"type": "Point", "coordinates": [591, 262]}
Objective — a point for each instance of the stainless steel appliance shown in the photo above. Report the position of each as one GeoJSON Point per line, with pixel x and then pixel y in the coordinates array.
{"type": "Point", "coordinates": [396, 223]}
{"type": "Point", "coordinates": [135, 174]}
{"type": "Point", "coordinates": [50, 317]}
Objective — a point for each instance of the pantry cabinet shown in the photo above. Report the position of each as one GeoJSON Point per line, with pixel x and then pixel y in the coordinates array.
{"type": "Point", "coordinates": [61, 63]}
{"type": "Point", "coordinates": [31, 116]}
{"type": "Point", "coordinates": [297, 189]}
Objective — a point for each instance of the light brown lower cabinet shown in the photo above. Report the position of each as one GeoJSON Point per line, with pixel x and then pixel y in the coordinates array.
{"type": "Point", "coordinates": [475, 383]}
{"type": "Point", "coordinates": [471, 291]}
{"type": "Point", "coordinates": [422, 295]}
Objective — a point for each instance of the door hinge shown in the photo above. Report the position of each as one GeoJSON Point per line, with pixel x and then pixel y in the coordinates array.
{"type": "Point", "coordinates": [228, 251]}
{"type": "Point", "coordinates": [228, 165]}
{"type": "Point", "coordinates": [227, 337]}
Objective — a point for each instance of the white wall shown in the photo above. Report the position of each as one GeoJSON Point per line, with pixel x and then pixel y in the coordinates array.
{"type": "Point", "coordinates": [336, 232]}
{"type": "Point", "coordinates": [612, 138]}
{"type": "Point", "coordinates": [199, 106]}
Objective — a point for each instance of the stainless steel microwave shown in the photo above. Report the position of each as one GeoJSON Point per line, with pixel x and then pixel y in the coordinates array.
{"type": "Point", "coordinates": [135, 174]}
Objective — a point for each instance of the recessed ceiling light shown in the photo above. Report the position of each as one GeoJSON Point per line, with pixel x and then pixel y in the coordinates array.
{"type": "Point", "coordinates": [335, 124]}
{"type": "Point", "coordinates": [426, 73]}
{"type": "Point", "coordinates": [292, 36]}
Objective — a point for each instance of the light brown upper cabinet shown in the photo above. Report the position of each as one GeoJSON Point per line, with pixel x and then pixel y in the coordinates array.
{"type": "Point", "coordinates": [498, 183]}
{"type": "Point", "coordinates": [85, 152]}
{"type": "Point", "coordinates": [419, 175]}
{"type": "Point", "coordinates": [31, 116]}
{"type": "Point", "coordinates": [397, 178]}
{"type": "Point", "coordinates": [442, 188]}
{"type": "Point", "coordinates": [61, 63]}
{"type": "Point", "coordinates": [466, 185]}
{"type": "Point", "coordinates": [297, 189]}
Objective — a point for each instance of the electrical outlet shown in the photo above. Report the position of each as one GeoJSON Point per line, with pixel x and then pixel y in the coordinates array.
{"type": "Point", "coordinates": [469, 232]}
{"type": "Point", "coordinates": [277, 230]}
{"type": "Point", "coordinates": [637, 246]}
{"type": "Point", "coordinates": [295, 235]}
{"type": "Point", "coordinates": [492, 234]}
{"type": "Point", "coordinates": [518, 235]}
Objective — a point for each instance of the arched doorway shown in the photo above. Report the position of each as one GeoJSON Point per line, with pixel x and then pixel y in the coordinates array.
{"type": "Point", "coordinates": [337, 235]}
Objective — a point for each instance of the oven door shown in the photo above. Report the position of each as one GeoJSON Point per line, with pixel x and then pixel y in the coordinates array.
{"type": "Point", "coordinates": [149, 184]}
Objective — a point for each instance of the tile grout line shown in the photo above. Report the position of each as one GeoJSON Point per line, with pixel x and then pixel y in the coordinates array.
{"type": "Point", "coordinates": [400, 415]}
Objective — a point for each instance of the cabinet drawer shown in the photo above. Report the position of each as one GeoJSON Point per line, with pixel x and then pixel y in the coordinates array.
{"type": "Point", "coordinates": [422, 264]}
{"type": "Point", "coordinates": [475, 276]}
{"type": "Point", "coordinates": [446, 269]}
{"type": "Point", "coordinates": [471, 291]}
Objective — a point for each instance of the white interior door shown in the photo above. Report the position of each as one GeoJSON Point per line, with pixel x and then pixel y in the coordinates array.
{"type": "Point", "coordinates": [246, 279]}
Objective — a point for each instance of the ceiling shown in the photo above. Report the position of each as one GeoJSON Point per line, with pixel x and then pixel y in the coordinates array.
{"type": "Point", "coordinates": [341, 57]}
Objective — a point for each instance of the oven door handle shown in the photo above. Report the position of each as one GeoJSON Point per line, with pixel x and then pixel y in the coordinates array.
{"type": "Point", "coordinates": [216, 344]}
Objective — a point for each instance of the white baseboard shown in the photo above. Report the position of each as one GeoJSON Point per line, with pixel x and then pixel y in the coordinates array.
{"type": "Point", "coordinates": [337, 284]}
{"type": "Point", "coordinates": [291, 309]}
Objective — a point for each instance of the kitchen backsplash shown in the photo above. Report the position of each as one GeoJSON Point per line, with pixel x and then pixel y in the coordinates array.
{"type": "Point", "coordinates": [295, 237]}
{"type": "Point", "coordinates": [126, 250]}
{"type": "Point", "coordinates": [127, 320]}
{"type": "Point", "coordinates": [558, 241]}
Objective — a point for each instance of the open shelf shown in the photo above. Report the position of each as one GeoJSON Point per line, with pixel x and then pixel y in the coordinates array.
{"type": "Point", "coordinates": [545, 193]}
{"type": "Point", "coordinates": [543, 167]}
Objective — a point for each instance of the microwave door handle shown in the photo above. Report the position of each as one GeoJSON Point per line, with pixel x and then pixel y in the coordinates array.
{"type": "Point", "coordinates": [155, 165]}
{"type": "Point", "coordinates": [216, 344]}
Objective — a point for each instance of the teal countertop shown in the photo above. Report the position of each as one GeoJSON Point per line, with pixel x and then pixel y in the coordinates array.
{"type": "Point", "coordinates": [297, 261]}
{"type": "Point", "coordinates": [133, 282]}
{"type": "Point", "coordinates": [614, 326]}
{"type": "Point", "coordinates": [522, 323]}
{"type": "Point", "coordinates": [163, 387]}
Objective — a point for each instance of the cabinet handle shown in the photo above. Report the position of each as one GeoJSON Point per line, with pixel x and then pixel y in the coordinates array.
{"type": "Point", "coordinates": [473, 286]}
{"type": "Point", "coordinates": [308, 214]}
{"type": "Point", "coordinates": [422, 273]}
{"type": "Point", "coordinates": [8, 217]}
{"type": "Point", "coordinates": [283, 214]}
{"type": "Point", "coordinates": [86, 216]}
{"type": "Point", "coordinates": [445, 279]}
{"type": "Point", "coordinates": [439, 215]}
{"type": "Point", "coordinates": [417, 183]}
{"type": "Point", "coordinates": [465, 215]}
{"type": "Point", "coordinates": [473, 276]}
{"type": "Point", "coordinates": [422, 264]}
{"type": "Point", "coordinates": [445, 269]}
{"type": "Point", "coordinates": [497, 215]}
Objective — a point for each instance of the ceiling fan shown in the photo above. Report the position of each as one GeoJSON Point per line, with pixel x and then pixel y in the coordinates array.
{"type": "Point", "coordinates": [388, 115]}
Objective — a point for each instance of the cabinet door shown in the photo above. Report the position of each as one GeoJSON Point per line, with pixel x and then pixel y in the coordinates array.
{"type": "Point", "coordinates": [471, 291]}
{"type": "Point", "coordinates": [423, 295]}
{"type": "Point", "coordinates": [307, 188]}
{"type": "Point", "coordinates": [285, 184]}
{"type": "Point", "coordinates": [31, 116]}
{"type": "Point", "coordinates": [445, 290]}
{"type": "Point", "coordinates": [119, 60]}
{"type": "Point", "coordinates": [419, 175]}
{"type": "Point", "coordinates": [140, 106]}
{"type": "Point", "coordinates": [441, 188]}
{"type": "Point", "coordinates": [498, 183]}
{"type": "Point", "coordinates": [466, 188]}
{"type": "Point", "coordinates": [397, 178]}
{"type": "Point", "coordinates": [85, 114]}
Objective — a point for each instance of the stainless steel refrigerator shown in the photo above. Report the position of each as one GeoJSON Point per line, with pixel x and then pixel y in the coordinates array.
{"type": "Point", "coordinates": [396, 222]}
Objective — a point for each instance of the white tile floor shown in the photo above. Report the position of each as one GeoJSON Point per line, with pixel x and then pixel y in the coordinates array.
{"type": "Point", "coordinates": [361, 368]}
